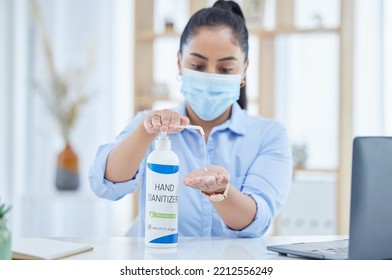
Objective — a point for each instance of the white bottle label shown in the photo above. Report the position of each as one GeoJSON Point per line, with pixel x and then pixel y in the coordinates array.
{"type": "Point", "coordinates": [161, 204]}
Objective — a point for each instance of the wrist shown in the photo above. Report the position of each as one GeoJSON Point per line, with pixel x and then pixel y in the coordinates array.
{"type": "Point", "coordinates": [218, 195]}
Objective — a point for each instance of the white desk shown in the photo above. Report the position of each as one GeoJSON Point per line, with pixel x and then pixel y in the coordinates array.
{"type": "Point", "coordinates": [133, 248]}
{"type": "Point", "coordinates": [65, 214]}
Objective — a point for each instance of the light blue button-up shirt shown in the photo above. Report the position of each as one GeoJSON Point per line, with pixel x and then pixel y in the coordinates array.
{"type": "Point", "coordinates": [255, 151]}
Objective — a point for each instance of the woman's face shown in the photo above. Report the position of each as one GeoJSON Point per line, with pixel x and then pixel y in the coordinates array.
{"type": "Point", "coordinates": [213, 50]}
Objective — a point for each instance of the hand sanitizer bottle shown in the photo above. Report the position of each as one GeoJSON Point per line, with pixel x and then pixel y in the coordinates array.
{"type": "Point", "coordinates": [161, 225]}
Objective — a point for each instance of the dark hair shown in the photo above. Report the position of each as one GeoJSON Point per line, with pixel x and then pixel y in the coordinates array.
{"type": "Point", "coordinates": [222, 13]}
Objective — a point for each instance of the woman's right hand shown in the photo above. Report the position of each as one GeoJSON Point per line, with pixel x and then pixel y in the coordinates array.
{"type": "Point", "coordinates": [164, 120]}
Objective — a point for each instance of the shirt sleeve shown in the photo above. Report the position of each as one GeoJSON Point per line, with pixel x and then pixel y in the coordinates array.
{"type": "Point", "coordinates": [268, 180]}
{"type": "Point", "coordinates": [98, 183]}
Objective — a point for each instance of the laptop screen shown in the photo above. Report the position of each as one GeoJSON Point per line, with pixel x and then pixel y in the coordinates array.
{"type": "Point", "coordinates": [371, 199]}
{"type": "Point", "coordinates": [370, 208]}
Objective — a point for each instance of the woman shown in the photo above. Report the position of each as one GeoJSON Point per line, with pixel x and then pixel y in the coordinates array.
{"type": "Point", "coordinates": [248, 157]}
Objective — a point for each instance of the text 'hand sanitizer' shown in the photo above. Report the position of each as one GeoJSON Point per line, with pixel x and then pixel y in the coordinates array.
{"type": "Point", "coordinates": [161, 225]}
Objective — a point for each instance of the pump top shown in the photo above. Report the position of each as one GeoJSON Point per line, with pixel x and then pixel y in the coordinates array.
{"type": "Point", "coordinates": [163, 135]}
{"type": "Point", "coordinates": [163, 142]}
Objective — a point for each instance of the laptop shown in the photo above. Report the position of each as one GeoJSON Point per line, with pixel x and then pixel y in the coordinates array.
{"type": "Point", "coordinates": [370, 235]}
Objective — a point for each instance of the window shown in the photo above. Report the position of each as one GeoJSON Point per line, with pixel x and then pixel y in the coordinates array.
{"type": "Point", "coordinates": [307, 82]}
{"type": "Point", "coordinates": [371, 95]}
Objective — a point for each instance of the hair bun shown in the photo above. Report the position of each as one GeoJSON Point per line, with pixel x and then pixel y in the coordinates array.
{"type": "Point", "coordinates": [230, 6]}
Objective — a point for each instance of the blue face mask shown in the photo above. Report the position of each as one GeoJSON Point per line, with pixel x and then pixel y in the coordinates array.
{"type": "Point", "coordinates": [209, 95]}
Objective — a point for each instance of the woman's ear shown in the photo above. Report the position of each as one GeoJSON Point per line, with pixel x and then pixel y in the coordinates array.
{"type": "Point", "coordinates": [179, 62]}
{"type": "Point", "coordinates": [246, 64]}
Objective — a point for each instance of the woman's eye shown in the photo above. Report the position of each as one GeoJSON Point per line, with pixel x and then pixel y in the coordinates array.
{"type": "Point", "coordinates": [226, 70]}
{"type": "Point", "coordinates": [198, 67]}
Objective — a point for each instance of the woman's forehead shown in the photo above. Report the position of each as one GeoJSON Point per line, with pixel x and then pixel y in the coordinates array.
{"type": "Point", "coordinates": [215, 42]}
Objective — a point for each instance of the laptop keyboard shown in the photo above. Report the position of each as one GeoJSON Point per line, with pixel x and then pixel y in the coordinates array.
{"type": "Point", "coordinates": [336, 251]}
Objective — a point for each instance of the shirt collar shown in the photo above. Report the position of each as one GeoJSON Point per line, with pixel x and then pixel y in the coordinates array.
{"type": "Point", "coordinates": [236, 123]}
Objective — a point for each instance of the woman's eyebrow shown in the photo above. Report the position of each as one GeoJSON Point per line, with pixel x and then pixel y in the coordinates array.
{"type": "Point", "coordinates": [199, 56]}
{"type": "Point", "coordinates": [221, 59]}
{"type": "Point", "coordinates": [227, 58]}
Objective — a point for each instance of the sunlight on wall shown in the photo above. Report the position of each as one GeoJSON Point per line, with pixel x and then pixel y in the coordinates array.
{"type": "Point", "coordinates": [387, 78]}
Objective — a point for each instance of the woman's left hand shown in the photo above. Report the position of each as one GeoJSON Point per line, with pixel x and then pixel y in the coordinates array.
{"type": "Point", "coordinates": [212, 179]}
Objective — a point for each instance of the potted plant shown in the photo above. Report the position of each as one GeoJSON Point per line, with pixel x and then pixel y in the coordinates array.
{"type": "Point", "coordinates": [5, 235]}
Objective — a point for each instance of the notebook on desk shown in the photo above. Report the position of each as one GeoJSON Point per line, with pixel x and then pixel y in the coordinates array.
{"type": "Point", "coordinates": [45, 249]}
{"type": "Point", "coordinates": [370, 234]}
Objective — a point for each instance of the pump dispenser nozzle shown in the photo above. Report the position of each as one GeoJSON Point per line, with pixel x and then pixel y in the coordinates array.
{"type": "Point", "coordinates": [189, 126]}
{"type": "Point", "coordinates": [163, 142]}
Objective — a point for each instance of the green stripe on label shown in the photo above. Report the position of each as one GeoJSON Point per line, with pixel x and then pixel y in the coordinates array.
{"type": "Point", "coordinates": [162, 215]}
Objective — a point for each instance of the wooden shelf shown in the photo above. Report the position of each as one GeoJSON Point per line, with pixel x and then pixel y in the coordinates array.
{"type": "Point", "coordinates": [150, 36]}
{"type": "Point", "coordinates": [291, 31]}
{"type": "Point", "coordinates": [315, 170]}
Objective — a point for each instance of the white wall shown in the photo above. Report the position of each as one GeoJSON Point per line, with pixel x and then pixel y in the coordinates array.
{"type": "Point", "coordinates": [34, 139]}
{"type": "Point", "coordinates": [123, 57]}
{"type": "Point", "coordinates": [19, 71]}
{"type": "Point", "coordinates": [5, 193]}
{"type": "Point", "coordinates": [387, 75]}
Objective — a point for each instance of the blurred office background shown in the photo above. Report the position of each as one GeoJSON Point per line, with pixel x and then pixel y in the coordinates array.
{"type": "Point", "coordinates": [321, 67]}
